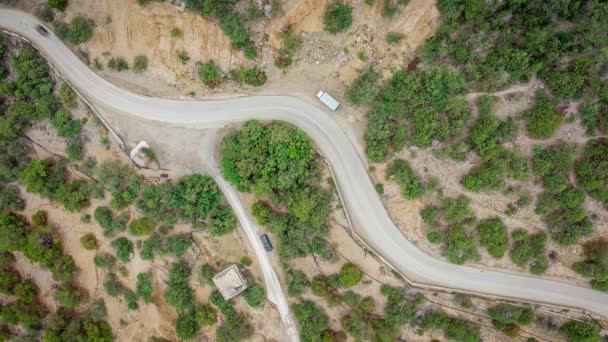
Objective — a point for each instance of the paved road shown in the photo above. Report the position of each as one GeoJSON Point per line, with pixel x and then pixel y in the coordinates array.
{"type": "Point", "coordinates": [370, 218]}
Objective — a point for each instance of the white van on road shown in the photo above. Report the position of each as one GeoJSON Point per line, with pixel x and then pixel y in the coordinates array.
{"type": "Point", "coordinates": [328, 100]}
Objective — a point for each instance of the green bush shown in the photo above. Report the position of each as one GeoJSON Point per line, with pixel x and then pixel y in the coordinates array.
{"type": "Point", "coordinates": [205, 315]}
{"type": "Point", "coordinates": [577, 331]}
{"type": "Point", "coordinates": [246, 261]}
{"type": "Point", "coordinates": [89, 241]}
{"type": "Point", "coordinates": [338, 17]}
{"type": "Point", "coordinates": [542, 119]}
{"type": "Point", "coordinates": [503, 315]}
{"type": "Point", "coordinates": [312, 320]}
{"type": "Point", "coordinates": [458, 245]}
{"type": "Point", "coordinates": [58, 4]}
{"type": "Point", "coordinates": [363, 89]}
{"type": "Point", "coordinates": [210, 74]}
{"type": "Point", "coordinates": [296, 283]}
{"type": "Point", "coordinates": [179, 295]}
{"type": "Point", "coordinates": [26, 291]}
{"type": "Point", "coordinates": [591, 169]}
{"type": "Point", "coordinates": [66, 95]}
{"type": "Point", "coordinates": [118, 64]}
{"type": "Point", "coordinates": [79, 31]}
{"type": "Point", "coordinates": [255, 295]}
{"type": "Point", "coordinates": [529, 251]}
{"type": "Point", "coordinates": [435, 237]}
{"type": "Point", "coordinates": [350, 275]}
{"type": "Point", "coordinates": [140, 64]}
{"type": "Point", "coordinates": [142, 226]}
{"type": "Point", "coordinates": [104, 260]}
{"type": "Point", "coordinates": [394, 37]}
{"type": "Point", "coordinates": [453, 328]}
{"type": "Point", "coordinates": [69, 296]}
{"type": "Point", "coordinates": [124, 249]}
{"type": "Point", "coordinates": [493, 235]}
{"type": "Point", "coordinates": [456, 209]}
{"type": "Point", "coordinates": [112, 285]}
{"type": "Point", "coordinates": [252, 76]}
{"type": "Point", "coordinates": [400, 171]}
{"type": "Point", "coordinates": [74, 150]}
{"type": "Point", "coordinates": [144, 287]}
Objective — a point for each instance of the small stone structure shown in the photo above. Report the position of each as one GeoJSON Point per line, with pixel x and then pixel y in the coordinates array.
{"type": "Point", "coordinates": [230, 281]}
{"type": "Point", "coordinates": [138, 154]}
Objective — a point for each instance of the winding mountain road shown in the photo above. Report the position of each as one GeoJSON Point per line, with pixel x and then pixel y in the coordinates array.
{"type": "Point", "coordinates": [371, 221]}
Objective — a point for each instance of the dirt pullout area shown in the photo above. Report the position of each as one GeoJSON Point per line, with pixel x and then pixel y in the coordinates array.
{"type": "Point", "coordinates": [447, 174]}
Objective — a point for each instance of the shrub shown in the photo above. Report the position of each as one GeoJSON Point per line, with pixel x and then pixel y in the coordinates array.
{"type": "Point", "coordinates": [350, 275]}
{"type": "Point", "coordinates": [175, 32]}
{"type": "Point", "coordinates": [435, 237]}
{"type": "Point", "coordinates": [210, 74]}
{"type": "Point", "coordinates": [493, 235]}
{"type": "Point", "coordinates": [124, 249]}
{"type": "Point", "coordinates": [296, 283]}
{"type": "Point", "coordinates": [246, 261]}
{"type": "Point", "coordinates": [542, 119]}
{"type": "Point", "coordinates": [118, 64]}
{"type": "Point", "coordinates": [453, 328]}
{"type": "Point", "coordinates": [186, 326]}
{"type": "Point", "coordinates": [529, 250]}
{"type": "Point", "coordinates": [144, 287]}
{"type": "Point", "coordinates": [205, 315]}
{"type": "Point", "coordinates": [591, 169]}
{"type": "Point", "coordinates": [140, 64]}
{"type": "Point", "coordinates": [112, 285]}
{"type": "Point", "coordinates": [177, 244]}
{"type": "Point", "coordinates": [252, 76]}
{"type": "Point", "coordinates": [26, 291]}
{"type": "Point", "coordinates": [255, 295]}
{"type": "Point", "coordinates": [459, 246]}
{"type": "Point", "coordinates": [363, 89]}
{"type": "Point", "coordinates": [74, 150]}
{"type": "Point", "coordinates": [503, 315]}
{"type": "Point", "coordinates": [69, 296]}
{"type": "Point", "coordinates": [141, 226]}
{"type": "Point", "coordinates": [456, 209]}
{"type": "Point", "coordinates": [58, 4]}
{"type": "Point", "coordinates": [104, 260]}
{"type": "Point", "coordinates": [80, 31]}
{"type": "Point", "coordinates": [89, 241]}
{"type": "Point", "coordinates": [179, 295]}
{"type": "Point", "coordinates": [580, 332]}
{"type": "Point", "coordinates": [401, 172]}
{"type": "Point", "coordinates": [338, 17]}
{"type": "Point", "coordinates": [67, 97]}
{"type": "Point", "coordinates": [394, 37]}
{"type": "Point", "coordinates": [13, 232]}
{"type": "Point", "coordinates": [312, 320]}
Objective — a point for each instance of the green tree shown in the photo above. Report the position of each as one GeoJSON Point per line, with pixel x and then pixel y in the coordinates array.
{"type": "Point", "coordinates": [124, 249]}
{"type": "Point", "coordinates": [89, 241]}
{"type": "Point", "coordinates": [350, 275]}
{"type": "Point", "coordinates": [400, 171]}
{"type": "Point", "coordinates": [141, 226]}
{"type": "Point", "coordinates": [312, 320]}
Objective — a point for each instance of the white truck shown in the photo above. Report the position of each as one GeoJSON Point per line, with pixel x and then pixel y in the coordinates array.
{"type": "Point", "coordinates": [328, 100]}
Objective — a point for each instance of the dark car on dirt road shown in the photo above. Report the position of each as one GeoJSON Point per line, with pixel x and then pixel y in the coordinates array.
{"type": "Point", "coordinates": [266, 242]}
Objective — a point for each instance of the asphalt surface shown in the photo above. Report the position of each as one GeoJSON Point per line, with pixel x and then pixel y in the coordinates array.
{"type": "Point", "coordinates": [369, 216]}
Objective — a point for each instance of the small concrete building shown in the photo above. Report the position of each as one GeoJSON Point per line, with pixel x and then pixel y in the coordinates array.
{"type": "Point", "coordinates": [230, 281]}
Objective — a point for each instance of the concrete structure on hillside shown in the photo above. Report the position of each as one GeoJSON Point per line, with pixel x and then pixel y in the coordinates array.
{"type": "Point", "coordinates": [230, 281]}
